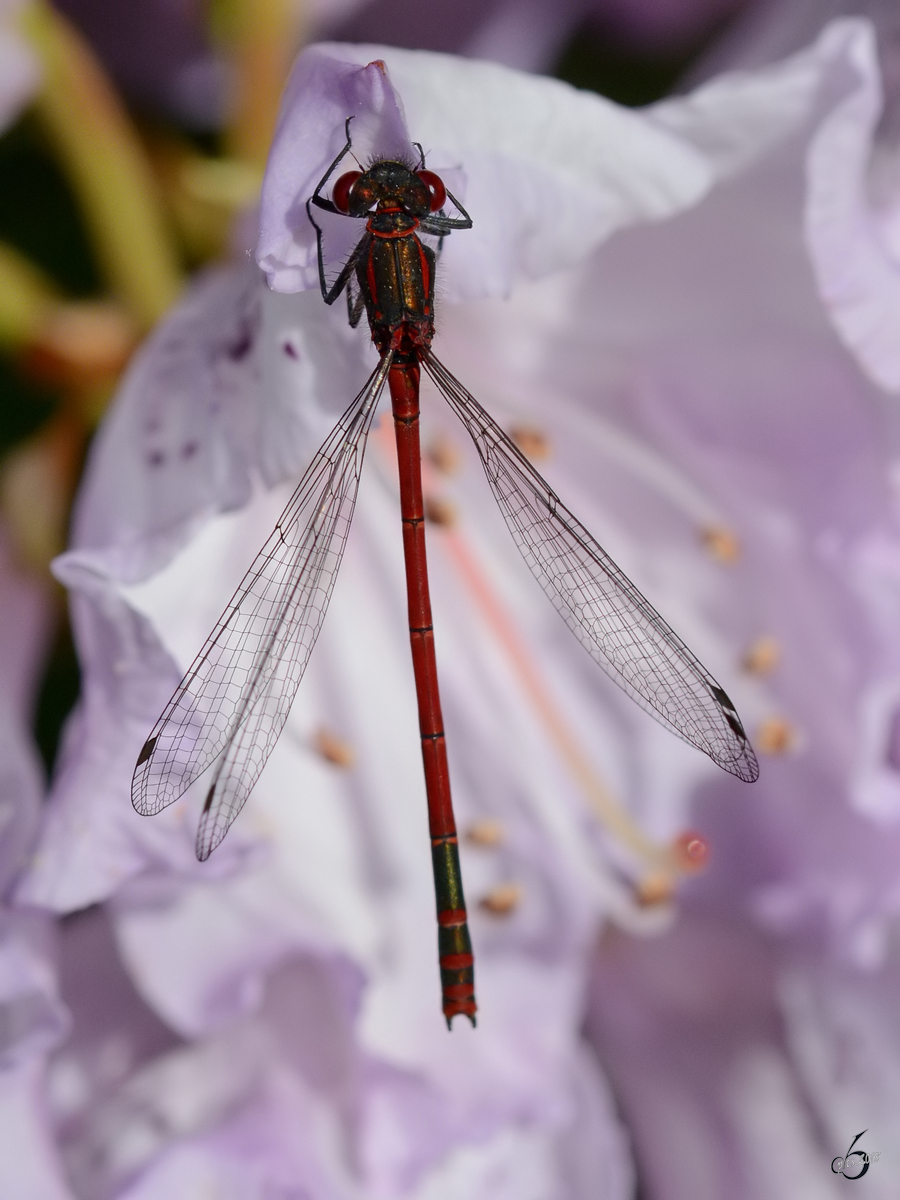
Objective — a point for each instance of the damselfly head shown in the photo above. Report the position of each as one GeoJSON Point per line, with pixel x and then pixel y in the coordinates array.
{"type": "Point", "coordinates": [389, 185]}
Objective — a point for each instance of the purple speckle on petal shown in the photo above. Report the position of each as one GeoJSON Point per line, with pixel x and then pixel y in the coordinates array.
{"type": "Point", "coordinates": [290, 350]}
{"type": "Point", "coordinates": [892, 755]}
{"type": "Point", "coordinates": [242, 344]}
{"type": "Point", "coordinates": [189, 449]}
{"type": "Point", "coordinates": [156, 458]}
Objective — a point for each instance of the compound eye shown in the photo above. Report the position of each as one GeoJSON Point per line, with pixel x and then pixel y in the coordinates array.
{"type": "Point", "coordinates": [340, 193]}
{"type": "Point", "coordinates": [436, 189]}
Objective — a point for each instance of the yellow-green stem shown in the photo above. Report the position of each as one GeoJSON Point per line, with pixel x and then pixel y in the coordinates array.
{"type": "Point", "coordinates": [106, 167]}
{"type": "Point", "coordinates": [261, 37]}
{"type": "Point", "coordinates": [26, 298]}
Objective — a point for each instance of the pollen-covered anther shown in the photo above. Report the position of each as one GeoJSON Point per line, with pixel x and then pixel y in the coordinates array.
{"type": "Point", "coordinates": [654, 889]}
{"type": "Point", "coordinates": [533, 442]}
{"type": "Point", "coordinates": [486, 834]}
{"type": "Point", "coordinates": [721, 543]}
{"type": "Point", "coordinates": [762, 656]}
{"type": "Point", "coordinates": [502, 900]}
{"type": "Point", "coordinates": [443, 454]}
{"type": "Point", "coordinates": [775, 736]}
{"type": "Point", "coordinates": [440, 511]}
{"type": "Point", "coordinates": [333, 749]}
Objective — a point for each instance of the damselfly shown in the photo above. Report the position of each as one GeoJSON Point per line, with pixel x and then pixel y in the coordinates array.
{"type": "Point", "coordinates": [232, 704]}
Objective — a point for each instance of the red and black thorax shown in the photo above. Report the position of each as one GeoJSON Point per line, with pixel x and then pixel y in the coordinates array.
{"type": "Point", "coordinates": [396, 277]}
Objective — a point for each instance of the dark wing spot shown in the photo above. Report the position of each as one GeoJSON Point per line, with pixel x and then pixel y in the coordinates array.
{"type": "Point", "coordinates": [148, 749]}
{"type": "Point", "coordinates": [722, 698]}
{"type": "Point", "coordinates": [736, 726]}
{"type": "Point", "coordinates": [209, 798]}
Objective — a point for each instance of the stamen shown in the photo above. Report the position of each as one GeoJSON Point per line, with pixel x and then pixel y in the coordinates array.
{"type": "Point", "coordinates": [776, 736]}
{"type": "Point", "coordinates": [654, 890]}
{"type": "Point", "coordinates": [444, 454]}
{"type": "Point", "coordinates": [722, 544]}
{"type": "Point", "coordinates": [598, 795]}
{"type": "Point", "coordinates": [487, 833]}
{"type": "Point", "coordinates": [330, 747]}
{"type": "Point", "coordinates": [763, 656]}
{"type": "Point", "coordinates": [502, 900]}
{"type": "Point", "coordinates": [533, 442]}
{"type": "Point", "coordinates": [440, 511]}
{"type": "Point", "coordinates": [608, 811]}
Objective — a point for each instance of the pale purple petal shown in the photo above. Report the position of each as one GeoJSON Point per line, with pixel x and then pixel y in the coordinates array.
{"type": "Point", "coordinates": [736, 117]}
{"type": "Point", "coordinates": [683, 377]}
{"type": "Point", "coordinates": [317, 884]}
{"type": "Point", "coordinates": [32, 1019]}
{"type": "Point", "coordinates": [857, 269]}
{"type": "Point", "coordinates": [688, 1027]}
{"type": "Point", "coordinates": [90, 840]}
{"type": "Point", "coordinates": [235, 386]}
{"type": "Point", "coordinates": [324, 90]}
{"type": "Point", "coordinates": [29, 1165]}
{"type": "Point", "coordinates": [852, 207]}
{"type": "Point", "coordinates": [704, 339]}
{"type": "Point", "coordinates": [24, 633]}
{"type": "Point", "coordinates": [841, 1029]}
{"type": "Point", "coordinates": [20, 74]}
{"type": "Point", "coordinates": [549, 171]}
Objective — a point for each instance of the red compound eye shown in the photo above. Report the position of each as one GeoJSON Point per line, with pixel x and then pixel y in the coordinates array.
{"type": "Point", "coordinates": [436, 188]}
{"type": "Point", "coordinates": [340, 193]}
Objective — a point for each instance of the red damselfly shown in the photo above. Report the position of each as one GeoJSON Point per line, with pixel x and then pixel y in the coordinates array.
{"type": "Point", "coordinates": [232, 704]}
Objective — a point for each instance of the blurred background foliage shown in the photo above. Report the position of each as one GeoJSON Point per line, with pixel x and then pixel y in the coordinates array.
{"type": "Point", "coordinates": [145, 141]}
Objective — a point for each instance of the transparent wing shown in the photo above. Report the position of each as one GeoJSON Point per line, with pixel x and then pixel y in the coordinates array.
{"type": "Point", "coordinates": [236, 696]}
{"type": "Point", "coordinates": [621, 630]}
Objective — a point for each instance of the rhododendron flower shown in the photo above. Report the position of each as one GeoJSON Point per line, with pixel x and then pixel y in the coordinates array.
{"type": "Point", "coordinates": [764, 1019]}
{"type": "Point", "coordinates": [691, 400]}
